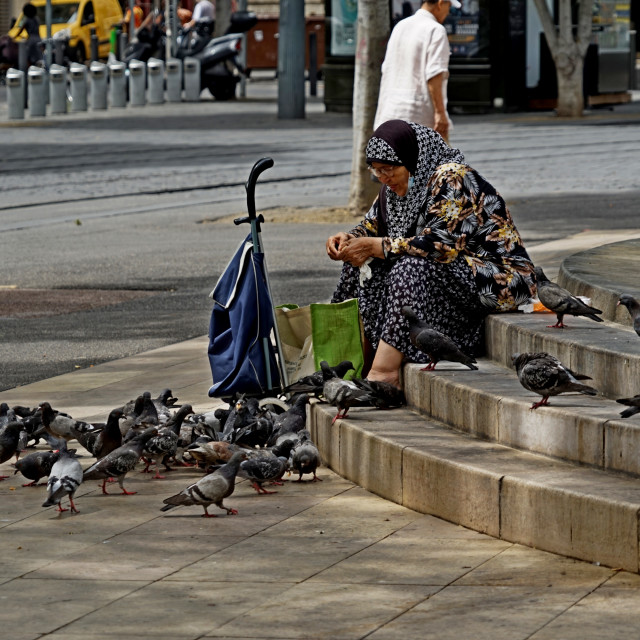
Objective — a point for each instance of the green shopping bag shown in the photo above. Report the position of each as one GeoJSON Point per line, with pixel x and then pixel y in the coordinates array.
{"type": "Point", "coordinates": [308, 335]}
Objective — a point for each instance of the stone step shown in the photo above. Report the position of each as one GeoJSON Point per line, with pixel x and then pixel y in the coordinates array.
{"type": "Point", "coordinates": [514, 495]}
{"type": "Point", "coordinates": [491, 404]}
{"type": "Point", "coordinates": [606, 351]}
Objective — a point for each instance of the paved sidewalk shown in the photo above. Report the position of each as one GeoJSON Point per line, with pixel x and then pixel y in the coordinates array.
{"type": "Point", "coordinates": [323, 560]}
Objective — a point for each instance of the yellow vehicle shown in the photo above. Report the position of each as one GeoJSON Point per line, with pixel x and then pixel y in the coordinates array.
{"type": "Point", "coordinates": [74, 19]}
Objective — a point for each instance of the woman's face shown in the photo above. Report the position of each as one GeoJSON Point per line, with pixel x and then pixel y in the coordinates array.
{"type": "Point", "coordinates": [395, 177]}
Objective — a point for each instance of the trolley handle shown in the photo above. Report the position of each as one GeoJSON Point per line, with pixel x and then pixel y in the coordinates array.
{"type": "Point", "coordinates": [259, 167]}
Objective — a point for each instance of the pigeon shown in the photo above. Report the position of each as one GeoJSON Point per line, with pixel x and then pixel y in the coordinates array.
{"type": "Point", "coordinates": [435, 344]}
{"type": "Point", "coordinates": [62, 425]}
{"type": "Point", "coordinates": [292, 420]}
{"type": "Point", "coordinates": [633, 306]}
{"type": "Point", "coordinates": [9, 439]}
{"type": "Point", "coordinates": [104, 438]}
{"type": "Point", "coordinates": [64, 480]}
{"type": "Point", "coordinates": [314, 383]}
{"type": "Point", "coordinates": [545, 375]}
{"type": "Point", "coordinates": [212, 453]}
{"type": "Point", "coordinates": [632, 403]}
{"type": "Point", "coordinates": [384, 395]}
{"type": "Point", "coordinates": [164, 445]}
{"type": "Point", "coordinates": [561, 301]}
{"type": "Point", "coordinates": [263, 467]}
{"type": "Point", "coordinates": [120, 461]}
{"type": "Point", "coordinates": [212, 489]}
{"type": "Point", "coordinates": [305, 457]}
{"type": "Point", "coordinates": [344, 394]}
{"type": "Point", "coordinates": [35, 466]}
{"type": "Point", "coordinates": [139, 412]}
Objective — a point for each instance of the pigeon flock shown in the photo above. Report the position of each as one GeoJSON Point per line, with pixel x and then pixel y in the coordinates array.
{"type": "Point", "coordinates": [243, 439]}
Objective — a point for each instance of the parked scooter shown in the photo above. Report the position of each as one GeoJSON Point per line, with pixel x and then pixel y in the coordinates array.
{"type": "Point", "coordinates": [220, 65]}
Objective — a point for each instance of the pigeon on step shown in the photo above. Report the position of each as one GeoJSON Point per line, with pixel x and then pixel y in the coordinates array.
{"type": "Point", "coordinates": [632, 403]}
{"type": "Point", "coordinates": [314, 383]}
{"type": "Point", "coordinates": [633, 306]}
{"type": "Point", "coordinates": [120, 461]}
{"type": "Point", "coordinates": [212, 489]}
{"type": "Point", "coordinates": [545, 375]}
{"type": "Point", "coordinates": [36, 465]}
{"type": "Point", "coordinates": [64, 480]}
{"type": "Point", "coordinates": [384, 395]}
{"type": "Point", "coordinates": [435, 344]}
{"type": "Point", "coordinates": [561, 301]}
{"type": "Point", "coordinates": [305, 457]}
{"type": "Point", "coordinates": [344, 394]}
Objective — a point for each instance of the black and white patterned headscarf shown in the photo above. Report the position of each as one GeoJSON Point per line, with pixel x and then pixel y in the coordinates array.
{"type": "Point", "coordinates": [421, 150]}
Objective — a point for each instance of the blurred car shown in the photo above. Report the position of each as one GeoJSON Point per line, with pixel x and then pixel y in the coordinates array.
{"type": "Point", "coordinates": [72, 20]}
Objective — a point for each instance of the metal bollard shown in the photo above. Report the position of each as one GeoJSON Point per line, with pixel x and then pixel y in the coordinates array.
{"type": "Point", "coordinates": [37, 91]}
{"type": "Point", "coordinates": [98, 71]}
{"type": "Point", "coordinates": [155, 73]}
{"type": "Point", "coordinates": [93, 42]}
{"type": "Point", "coordinates": [117, 84]}
{"type": "Point", "coordinates": [174, 80]}
{"type": "Point", "coordinates": [137, 97]}
{"type": "Point", "coordinates": [123, 41]}
{"type": "Point", "coordinates": [78, 74]}
{"type": "Point", "coordinates": [191, 71]}
{"type": "Point", "coordinates": [15, 93]}
{"type": "Point", "coordinates": [58, 89]}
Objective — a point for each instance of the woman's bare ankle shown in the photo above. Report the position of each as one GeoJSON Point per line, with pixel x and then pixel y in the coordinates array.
{"type": "Point", "coordinates": [392, 377]}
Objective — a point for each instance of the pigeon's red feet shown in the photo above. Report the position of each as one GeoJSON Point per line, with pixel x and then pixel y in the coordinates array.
{"type": "Point", "coordinates": [206, 514]}
{"type": "Point", "coordinates": [557, 325]}
{"type": "Point", "coordinates": [4, 477]}
{"type": "Point", "coordinates": [60, 509]}
{"type": "Point", "coordinates": [234, 512]}
{"type": "Point", "coordinates": [260, 489]}
{"type": "Point", "coordinates": [430, 367]}
{"type": "Point", "coordinates": [158, 476]}
{"type": "Point", "coordinates": [316, 479]}
{"type": "Point", "coordinates": [543, 402]}
{"type": "Point", "coordinates": [73, 506]}
{"type": "Point", "coordinates": [128, 493]}
{"type": "Point", "coordinates": [30, 484]}
{"type": "Point", "coordinates": [104, 488]}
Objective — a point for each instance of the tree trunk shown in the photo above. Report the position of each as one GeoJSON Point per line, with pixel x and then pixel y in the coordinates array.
{"type": "Point", "coordinates": [223, 17]}
{"type": "Point", "coordinates": [568, 46]}
{"type": "Point", "coordinates": [372, 35]}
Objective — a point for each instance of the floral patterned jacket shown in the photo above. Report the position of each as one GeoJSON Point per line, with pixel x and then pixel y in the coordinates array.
{"type": "Point", "coordinates": [463, 215]}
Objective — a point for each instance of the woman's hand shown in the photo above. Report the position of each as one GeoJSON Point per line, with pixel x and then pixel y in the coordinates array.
{"type": "Point", "coordinates": [357, 250]}
{"type": "Point", "coordinates": [336, 243]}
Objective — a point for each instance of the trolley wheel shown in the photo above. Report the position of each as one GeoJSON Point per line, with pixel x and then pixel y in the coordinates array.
{"type": "Point", "coordinates": [274, 404]}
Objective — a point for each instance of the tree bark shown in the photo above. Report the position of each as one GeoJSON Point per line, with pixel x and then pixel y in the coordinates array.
{"type": "Point", "coordinates": [568, 51]}
{"type": "Point", "coordinates": [372, 35]}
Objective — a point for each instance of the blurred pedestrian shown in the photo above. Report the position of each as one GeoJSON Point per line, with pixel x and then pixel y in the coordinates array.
{"type": "Point", "coordinates": [203, 13]}
{"type": "Point", "coordinates": [31, 25]}
{"type": "Point", "coordinates": [416, 68]}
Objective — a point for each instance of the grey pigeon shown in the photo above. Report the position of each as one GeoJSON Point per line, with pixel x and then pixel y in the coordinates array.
{"type": "Point", "coordinates": [36, 465]}
{"type": "Point", "coordinates": [120, 461]}
{"type": "Point", "coordinates": [261, 467]}
{"type": "Point", "coordinates": [632, 403]}
{"type": "Point", "coordinates": [384, 395]}
{"type": "Point", "coordinates": [305, 457]}
{"type": "Point", "coordinates": [314, 382]}
{"type": "Point", "coordinates": [344, 394]}
{"type": "Point", "coordinates": [561, 301]}
{"type": "Point", "coordinates": [64, 480]}
{"type": "Point", "coordinates": [212, 489]}
{"type": "Point", "coordinates": [292, 420]}
{"type": "Point", "coordinates": [9, 439]}
{"type": "Point", "coordinates": [633, 306]}
{"type": "Point", "coordinates": [545, 375]}
{"type": "Point", "coordinates": [435, 344]}
{"type": "Point", "coordinates": [62, 425]}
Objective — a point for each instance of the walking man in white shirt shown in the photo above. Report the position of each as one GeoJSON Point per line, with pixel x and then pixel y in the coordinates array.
{"type": "Point", "coordinates": [204, 11]}
{"type": "Point", "coordinates": [416, 68]}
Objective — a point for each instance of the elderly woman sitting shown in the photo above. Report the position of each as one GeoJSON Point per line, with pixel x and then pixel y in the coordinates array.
{"type": "Point", "coordinates": [438, 238]}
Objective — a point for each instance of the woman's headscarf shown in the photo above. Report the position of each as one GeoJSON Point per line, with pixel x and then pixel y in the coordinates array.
{"type": "Point", "coordinates": [421, 150]}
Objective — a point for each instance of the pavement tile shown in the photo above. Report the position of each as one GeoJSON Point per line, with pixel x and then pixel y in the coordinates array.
{"type": "Point", "coordinates": [399, 560]}
{"type": "Point", "coordinates": [274, 559]}
{"type": "Point", "coordinates": [606, 613]}
{"type": "Point", "coordinates": [42, 606]}
{"type": "Point", "coordinates": [522, 566]}
{"type": "Point", "coordinates": [481, 613]}
{"type": "Point", "coordinates": [171, 609]}
{"type": "Point", "coordinates": [321, 611]}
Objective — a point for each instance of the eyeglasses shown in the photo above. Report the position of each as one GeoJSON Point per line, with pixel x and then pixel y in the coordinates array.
{"type": "Point", "coordinates": [387, 172]}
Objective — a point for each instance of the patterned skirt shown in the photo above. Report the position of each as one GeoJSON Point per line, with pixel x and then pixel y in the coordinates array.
{"type": "Point", "coordinates": [445, 296]}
